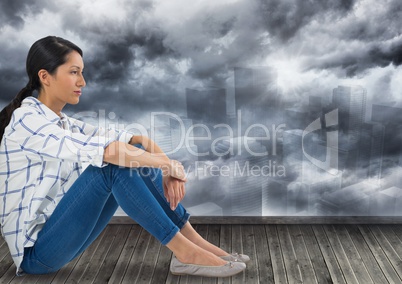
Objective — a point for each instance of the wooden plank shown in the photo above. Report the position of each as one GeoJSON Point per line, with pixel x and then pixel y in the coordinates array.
{"type": "Point", "coordinates": [212, 237]}
{"type": "Point", "coordinates": [386, 247]}
{"type": "Point", "coordinates": [263, 259]}
{"type": "Point", "coordinates": [99, 255]}
{"type": "Point", "coordinates": [9, 275]}
{"type": "Point", "coordinates": [378, 253]}
{"type": "Point", "coordinates": [237, 246]}
{"type": "Point", "coordinates": [84, 260]}
{"type": "Point", "coordinates": [368, 258]}
{"type": "Point", "coordinates": [292, 266]}
{"type": "Point", "coordinates": [46, 278]}
{"type": "Point", "coordinates": [32, 278]}
{"type": "Point", "coordinates": [363, 253]}
{"type": "Point", "coordinates": [248, 239]}
{"type": "Point", "coordinates": [126, 254]}
{"type": "Point", "coordinates": [183, 279]}
{"type": "Point", "coordinates": [225, 238]}
{"type": "Point", "coordinates": [173, 279]}
{"type": "Point", "coordinates": [278, 220]}
{"type": "Point", "coordinates": [225, 243]}
{"type": "Point", "coordinates": [61, 275]}
{"type": "Point", "coordinates": [5, 258]}
{"type": "Point", "coordinates": [302, 256]}
{"type": "Point", "coordinates": [149, 262]}
{"type": "Point", "coordinates": [190, 279]}
{"type": "Point", "coordinates": [275, 251]}
{"type": "Point", "coordinates": [398, 231]}
{"type": "Point", "coordinates": [214, 233]}
{"type": "Point", "coordinates": [3, 249]}
{"type": "Point", "coordinates": [355, 260]}
{"type": "Point", "coordinates": [341, 255]}
{"type": "Point", "coordinates": [6, 262]}
{"type": "Point", "coordinates": [320, 269]}
{"type": "Point", "coordinates": [134, 267]}
{"type": "Point", "coordinates": [328, 254]}
{"type": "Point", "coordinates": [162, 268]}
{"type": "Point", "coordinates": [110, 262]}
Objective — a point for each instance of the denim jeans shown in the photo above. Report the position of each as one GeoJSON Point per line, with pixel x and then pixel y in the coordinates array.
{"type": "Point", "coordinates": [86, 208]}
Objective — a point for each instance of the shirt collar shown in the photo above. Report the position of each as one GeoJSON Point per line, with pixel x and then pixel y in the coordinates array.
{"type": "Point", "coordinates": [42, 108]}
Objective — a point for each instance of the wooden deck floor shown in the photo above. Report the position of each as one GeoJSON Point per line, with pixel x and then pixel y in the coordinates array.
{"type": "Point", "coordinates": [279, 253]}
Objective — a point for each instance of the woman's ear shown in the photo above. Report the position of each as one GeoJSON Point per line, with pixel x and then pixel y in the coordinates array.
{"type": "Point", "coordinates": [44, 77]}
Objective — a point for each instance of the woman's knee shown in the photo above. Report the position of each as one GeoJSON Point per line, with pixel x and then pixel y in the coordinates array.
{"type": "Point", "coordinates": [32, 265]}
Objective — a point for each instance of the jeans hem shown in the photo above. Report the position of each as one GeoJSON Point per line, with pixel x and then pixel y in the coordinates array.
{"type": "Point", "coordinates": [170, 236]}
{"type": "Point", "coordinates": [184, 220]}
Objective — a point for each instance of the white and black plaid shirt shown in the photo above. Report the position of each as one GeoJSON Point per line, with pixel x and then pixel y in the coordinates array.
{"type": "Point", "coordinates": [41, 155]}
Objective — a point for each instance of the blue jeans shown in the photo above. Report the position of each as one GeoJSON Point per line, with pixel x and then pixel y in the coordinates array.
{"type": "Point", "coordinates": [86, 208]}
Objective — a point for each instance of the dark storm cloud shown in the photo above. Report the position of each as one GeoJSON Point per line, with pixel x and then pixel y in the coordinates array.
{"type": "Point", "coordinates": [12, 71]}
{"type": "Point", "coordinates": [382, 91]}
{"type": "Point", "coordinates": [113, 61]}
{"type": "Point", "coordinates": [378, 23]}
{"type": "Point", "coordinates": [384, 55]}
{"type": "Point", "coordinates": [110, 63]}
{"type": "Point", "coordinates": [359, 60]}
{"type": "Point", "coordinates": [140, 59]}
{"type": "Point", "coordinates": [283, 19]}
{"type": "Point", "coordinates": [13, 11]}
{"type": "Point", "coordinates": [361, 40]}
{"type": "Point", "coordinates": [119, 48]}
{"type": "Point", "coordinates": [216, 39]}
{"type": "Point", "coordinates": [11, 82]}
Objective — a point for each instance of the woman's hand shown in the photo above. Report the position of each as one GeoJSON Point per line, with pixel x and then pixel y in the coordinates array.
{"type": "Point", "coordinates": [176, 170]}
{"type": "Point", "coordinates": [174, 190]}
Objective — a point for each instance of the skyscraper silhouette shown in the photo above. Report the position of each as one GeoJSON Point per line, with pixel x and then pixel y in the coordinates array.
{"type": "Point", "coordinates": [206, 105]}
{"type": "Point", "coordinates": [256, 87]}
{"type": "Point", "coordinates": [351, 104]}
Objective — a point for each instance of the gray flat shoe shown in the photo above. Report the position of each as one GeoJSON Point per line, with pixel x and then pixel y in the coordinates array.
{"type": "Point", "coordinates": [236, 257]}
{"type": "Point", "coordinates": [229, 269]}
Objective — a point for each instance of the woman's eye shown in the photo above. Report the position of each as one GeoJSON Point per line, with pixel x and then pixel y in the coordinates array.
{"type": "Point", "coordinates": [74, 72]}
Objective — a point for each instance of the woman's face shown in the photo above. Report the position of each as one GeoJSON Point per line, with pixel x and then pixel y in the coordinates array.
{"type": "Point", "coordinates": [66, 84]}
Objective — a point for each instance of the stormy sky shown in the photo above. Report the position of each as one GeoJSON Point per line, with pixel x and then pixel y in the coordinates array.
{"type": "Point", "coordinates": [140, 55]}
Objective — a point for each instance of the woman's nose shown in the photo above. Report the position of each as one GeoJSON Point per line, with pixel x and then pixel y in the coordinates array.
{"type": "Point", "coordinates": [81, 82]}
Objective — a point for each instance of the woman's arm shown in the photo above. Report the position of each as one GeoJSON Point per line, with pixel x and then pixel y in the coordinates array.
{"type": "Point", "coordinates": [148, 144]}
{"type": "Point", "coordinates": [126, 155]}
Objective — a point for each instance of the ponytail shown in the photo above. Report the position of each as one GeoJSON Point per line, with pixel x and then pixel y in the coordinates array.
{"type": "Point", "coordinates": [6, 113]}
{"type": "Point", "coordinates": [47, 53]}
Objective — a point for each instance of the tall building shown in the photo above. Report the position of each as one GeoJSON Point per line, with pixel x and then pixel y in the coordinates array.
{"type": "Point", "coordinates": [170, 135]}
{"type": "Point", "coordinates": [391, 119]}
{"type": "Point", "coordinates": [207, 105]}
{"type": "Point", "coordinates": [315, 105]}
{"type": "Point", "coordinates": [299, 151]}
{"type": "Point", "coordinates": [297, 199]}
{"type": "Point", "coordinates": [248, 174]}
{"type": "Point", "coordinates": [297, 118]}
{"type": "Point", "coordinates": [370, 152]}
{"type": "Point", "coordinates": [353, 200]}
{"type": "Point", "coordinates": [161, 133]}
{"type": "Point", "coordinates": [387, 202]}
{"type": "Point", "coordinates": [386, 114]}
{"type": "Point", "coordinates": [351, 104]}
{"type": "Point", "coordinates": [274, 197]}
{"type": "Point", "coordinates": [293, 153]}
{"type": "Point", "coordinates": [206, 108]}
{"type": "Point", "coordinates": [256, 87]}
{"type": "Point", "coordinates": [320, 187]}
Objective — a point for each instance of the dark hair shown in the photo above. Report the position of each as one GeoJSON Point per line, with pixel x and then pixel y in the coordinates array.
{"type": "Point", "coordinates": [47, 53]}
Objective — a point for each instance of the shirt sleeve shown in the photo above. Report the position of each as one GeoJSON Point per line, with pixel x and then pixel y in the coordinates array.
{"type": "Point", "coordinates": [88, 129]}
{"type": "Point", "coordinates": [41, 140]}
